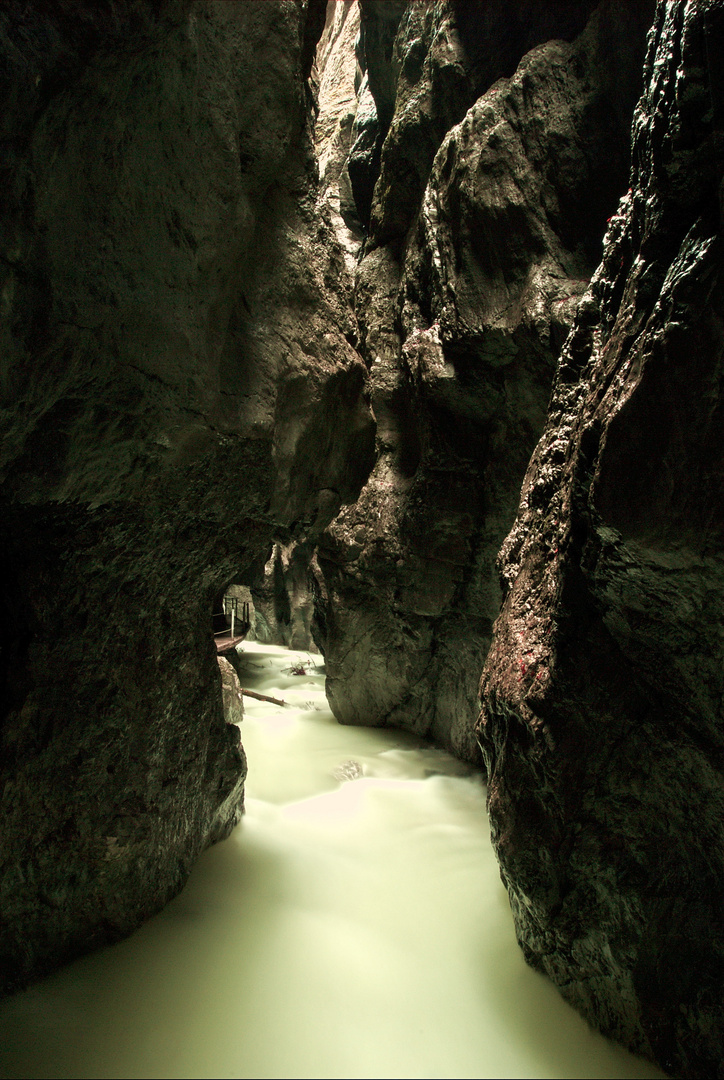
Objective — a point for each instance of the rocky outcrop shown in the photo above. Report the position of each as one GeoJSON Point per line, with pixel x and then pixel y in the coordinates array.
{"type": "Point", "coordinates": [178, 389]}
{"type": "Point", "coordinates": [283, 588]}
{"type": "Point", "coordinates": [462, 311]}
{"type": "Point", "coordinates": [379, 20]}
{"type": "Point", "coordinates": [424, 78]}
{"type": "Point", "coordinates": [232, 698]}
{"type": "Point", "coordinates": [337, 74]}
{"type": "Point", "coordinates": [602, 720]}
{"type": "Point", "coordinates": [284, 598]}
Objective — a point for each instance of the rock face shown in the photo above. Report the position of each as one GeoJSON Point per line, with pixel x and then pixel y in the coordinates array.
{"type": "Point", "coordinates": [231, 696]}
{"type": "Point", "coordinates": [178, 388]}
{"type": "Point", "coordinates": [485, 228]}
{"type": "Point", "coordinates": [283, 591]}
{"type": "Point", "coordinates": [337, 72]}
{"type": "Point", "coordinates": [443, 57]}
{"type": "Point", "coordinates": [379, 20]}
{"type": "Point", "coordinates": [602, 722]}
{"type": "Point", "coordinates": [284, 596]}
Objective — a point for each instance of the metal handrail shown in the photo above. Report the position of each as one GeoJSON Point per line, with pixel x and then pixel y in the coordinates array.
{"type": "Point", "coordinates": [233, 604]}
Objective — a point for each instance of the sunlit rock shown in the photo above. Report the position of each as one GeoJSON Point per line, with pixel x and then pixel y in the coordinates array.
{"type": "Point", "coordinates": [338, 113]}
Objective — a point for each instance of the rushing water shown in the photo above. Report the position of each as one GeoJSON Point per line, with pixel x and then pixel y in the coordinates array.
{"type": "Point", "coordinates": [348, 928]}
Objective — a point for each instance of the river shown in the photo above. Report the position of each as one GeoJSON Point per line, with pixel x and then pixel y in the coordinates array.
{"type": "Point", "coordinates": [348, 928]}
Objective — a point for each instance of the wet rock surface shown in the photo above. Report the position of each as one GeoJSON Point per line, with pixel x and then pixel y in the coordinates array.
{"type": "Point", "coordinates": [602, 722]}
{"type": "Point", "coordinates": [467, 286]}
{"type": "Point", "coordinates": [178, 388]}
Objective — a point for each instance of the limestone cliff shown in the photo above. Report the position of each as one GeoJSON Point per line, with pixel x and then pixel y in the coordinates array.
{"type": "Point", "coordinates": [504, 154]}
{"type": "Point", "coordinates": [602, 722]}
{"type": "Point", "coordinates": [178, 388]}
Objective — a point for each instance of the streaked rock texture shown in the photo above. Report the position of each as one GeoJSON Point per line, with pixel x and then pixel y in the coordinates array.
{"type": "Point", "coordinates": [178, 387]}
{"type": "Point", "coordinates": [231, 696]}
{"type": "Point", "coordinates": [469, 281]}
{"type": "Point", "coordinates": [337, 73]}
{"type": "Point", "coordinates": [602, 725]}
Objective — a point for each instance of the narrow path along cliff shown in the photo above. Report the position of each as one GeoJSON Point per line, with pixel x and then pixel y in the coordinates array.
{"type": "Point", "coordinates": [337, 933]}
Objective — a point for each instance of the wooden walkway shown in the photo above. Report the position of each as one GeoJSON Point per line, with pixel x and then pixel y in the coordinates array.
{"type": "Point", "coordinates": [226, 644]}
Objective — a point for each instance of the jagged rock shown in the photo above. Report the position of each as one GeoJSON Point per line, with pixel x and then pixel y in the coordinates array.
{"type": "Point", "coordinates": [178, 388]}
{"type": "Point", "coordinates": [445, 55]}
{"type": "Point", "coordinates": [461, 338]}
{"type": "Point", "coordinates": [602, 721]}
{"type": "Point", "coordinates": [363, 162]}
{"type": "Point", "coordinates": [283, 590]}
{"type": "Point", "coordinates": [283, 596]}
{"type": "Point", "coordinates": [231, 696]}
{"type": "Point", "coordinates": [379, 20]}
{"type": "Point", "coordinates": [336, 70]}
{"type": "Point", "coordinates": [339, 109]}
{"type": "Point", "coordinates": [427, 62]}
{"type": "Point", "coordinates": [510, 227]}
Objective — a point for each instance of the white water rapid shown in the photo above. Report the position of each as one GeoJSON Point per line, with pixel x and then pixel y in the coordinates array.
{"type": "Point", "coordinates": [348, 928]}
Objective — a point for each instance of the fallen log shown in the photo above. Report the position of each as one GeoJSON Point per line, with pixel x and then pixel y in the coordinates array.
{"type": "Point", "coordinates": [263, 697]}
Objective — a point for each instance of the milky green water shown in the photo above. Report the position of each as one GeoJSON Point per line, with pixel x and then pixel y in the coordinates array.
{"type": "Point", "coordinates": [347, 929]}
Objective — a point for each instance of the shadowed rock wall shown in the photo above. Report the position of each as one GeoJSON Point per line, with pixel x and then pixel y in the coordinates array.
{"type": "Point", "coordinates": [177, 387]}
{"type": "Point", "coordinates": [602, 722]}
{"type": "Point", "coordinates": [486, 222]}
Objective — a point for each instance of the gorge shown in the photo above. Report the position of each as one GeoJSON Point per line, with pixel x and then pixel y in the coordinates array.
{"type": "Point", "coordinates": [425, 301]}
{"type": "Point", "coordinates": [355, 924]}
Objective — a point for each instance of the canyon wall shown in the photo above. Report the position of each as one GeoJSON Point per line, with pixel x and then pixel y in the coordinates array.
{"type": "Point", "coordinates": [602, 720]}
{"type": "Point", "coordinates": [201, 298]}
{"type": "Point", "coordinates": [177, 389]}
{"type": "Point", "coordinates": [493, 157]}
